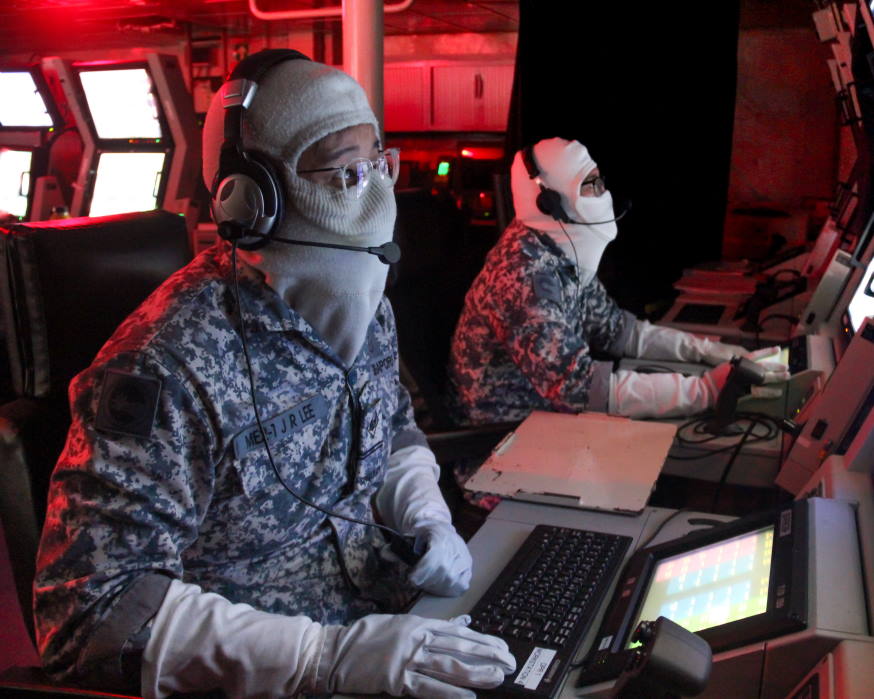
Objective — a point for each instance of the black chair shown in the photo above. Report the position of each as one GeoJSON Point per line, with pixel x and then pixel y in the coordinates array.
{"type": "Point", "coordinates": [64, 287]}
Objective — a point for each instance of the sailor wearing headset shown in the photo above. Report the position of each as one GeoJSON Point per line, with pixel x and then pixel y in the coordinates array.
{"type": "Point", "coordinates": [537, 313]}
{"type": "Point", "coordinates": [211, 518]}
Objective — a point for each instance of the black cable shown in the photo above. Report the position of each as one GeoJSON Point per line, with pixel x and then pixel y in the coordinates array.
{"type": "Point", "coordinates": [698, 423]}
{"type": "Point", "coordinates": [648, 540]}
{"type": "Point", "coordinates": [257, 411]}
{"type": "Point", "coordinates": [727, 469]}
{"type": "Point", "coordinates": [573, 247]}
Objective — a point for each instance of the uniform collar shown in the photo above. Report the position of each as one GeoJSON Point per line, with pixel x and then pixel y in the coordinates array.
{"type": "Point", "coordinates": [535, 244]}
{"type": "Point", "coordinates": [265, 311]}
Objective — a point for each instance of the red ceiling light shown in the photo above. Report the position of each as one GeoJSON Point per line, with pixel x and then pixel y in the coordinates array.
{"type": "Point", "coordinates": [482, 152]}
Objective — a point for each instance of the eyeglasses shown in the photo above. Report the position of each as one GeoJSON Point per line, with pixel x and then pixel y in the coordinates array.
{"type": "Point", "coordinates": [594, 187]}
{"type": "Point", "coordinates": [355, 175]}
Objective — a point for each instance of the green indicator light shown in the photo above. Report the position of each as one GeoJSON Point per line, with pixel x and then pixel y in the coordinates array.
{"type": "Point", "coordinates": [443, 168]}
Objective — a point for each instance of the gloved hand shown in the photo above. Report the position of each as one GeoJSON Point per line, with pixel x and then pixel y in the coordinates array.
{"type": "Point", "coordinates": [776, 371]}
{"type": "Point", "coordinates": [715, 353]}
{"type": "Point", "coordinates": [406, 654]}
{"type": "Point", "coordinates": [411, 502]}
{"type": "Point", "coordinates": [446, 567]}
{"type": "Point", "coordinates": [665, 395]}
{"type": "Point", "coordinates": [199, 640]}
{"type": "Point", "coordinates": [649, 341]}
{"type": "Point", "coordinates": [769, 359]}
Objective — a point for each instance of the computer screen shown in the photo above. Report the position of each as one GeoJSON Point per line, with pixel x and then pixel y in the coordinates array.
{"type": "Point", "coordinates": [15, 169]}
{"type": "Point", "coordinates": [22, 105]}
{"type": "Point", "coordinates": [126, 182]}
{"type": "Point", "coordinates": [122, 103]}
{"type": "Point", "coordinates": [733, 584]}
{"type": "Point", "coordinates": [713, 584]}
{"type": "Point", "coordinates": [862, 304]}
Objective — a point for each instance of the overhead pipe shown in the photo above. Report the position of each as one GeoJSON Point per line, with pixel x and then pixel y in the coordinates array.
{"type": "Point", "coordinates": [363, 50]}
{"type": "Point", "coordinates": [362, 39]}
{"type": "Point", "coordinates": [319, 13]}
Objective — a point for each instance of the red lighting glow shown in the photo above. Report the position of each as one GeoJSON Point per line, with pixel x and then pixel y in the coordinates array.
{"type": "Point", "coordinates": [482, 152]}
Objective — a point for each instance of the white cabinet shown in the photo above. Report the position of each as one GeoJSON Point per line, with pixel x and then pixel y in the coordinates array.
{"type": "Point", "coordinates": [447, 96]}
{"type": "Point", "coordinates": [406, 95]}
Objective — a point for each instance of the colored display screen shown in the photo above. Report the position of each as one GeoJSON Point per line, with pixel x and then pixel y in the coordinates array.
{"type": "Point", "coordinates": [862, 304]}
{"type": "Point", "coordinates": [21, 104]}
{"type": "Point", "coordinates": [712, 585]}
{"type": "Point", "coordinates": [14, 181]}
{"type": "Point", "coordinates": [126, 182]}
{"type": "Point", "coordinates": [122, 103]}
{"type": "Point", "coordinates": [782, 357]}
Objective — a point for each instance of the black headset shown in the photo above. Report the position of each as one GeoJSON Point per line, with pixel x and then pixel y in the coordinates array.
{"type": "Point", "coordinates": [246, 195]}
{"type": "Point", "coordinates": [548, 200]}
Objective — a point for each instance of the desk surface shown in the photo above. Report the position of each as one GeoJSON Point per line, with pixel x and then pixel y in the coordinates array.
{"type": "Point", "coordinates": [505, 530]}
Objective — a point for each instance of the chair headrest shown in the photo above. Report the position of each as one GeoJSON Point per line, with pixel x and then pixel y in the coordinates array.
{"type": "Point", "coordinates": [66, 285]}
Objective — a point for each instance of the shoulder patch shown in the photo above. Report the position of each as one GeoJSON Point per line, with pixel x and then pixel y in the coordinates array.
{"type": "Point", "coordinates": [128, 403]}
{"type": "Point", "coordinates": [546, 286]}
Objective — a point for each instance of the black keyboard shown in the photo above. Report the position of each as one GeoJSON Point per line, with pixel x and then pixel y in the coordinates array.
{"type": "Point", "coordinates": [544, 600]}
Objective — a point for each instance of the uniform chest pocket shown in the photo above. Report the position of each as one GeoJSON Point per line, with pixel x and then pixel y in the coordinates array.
{"type": "Point", "coordinates": [374, 434]}
{"type": "Point", "coordinates": [295, 437]}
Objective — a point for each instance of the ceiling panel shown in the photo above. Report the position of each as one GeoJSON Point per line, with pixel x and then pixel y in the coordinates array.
{"type": "Point", "coordinates": [47, 26]}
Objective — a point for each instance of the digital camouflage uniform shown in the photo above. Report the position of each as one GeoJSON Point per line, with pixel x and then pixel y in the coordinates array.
{"type": "Point", "coordinates": [527, 333]}
{"type": "Point", "coordinates": [165, 473]}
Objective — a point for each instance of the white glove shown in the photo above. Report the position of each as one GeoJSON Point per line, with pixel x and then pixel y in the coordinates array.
{"type": "Point", "coordinates": [406, 654]}
{"type": "Point", "coordinates": [649, 341]}
{"type": "Point", "coordinates": [411, 502]}
{"type": "Point", "coordinates": [638, 395]}
{"type": "Point", "coordinates": [202, 641]}
{"type": "Point", "coordinates": [446, 567]}
{"type": "Point", "coordinates": [776, 371]}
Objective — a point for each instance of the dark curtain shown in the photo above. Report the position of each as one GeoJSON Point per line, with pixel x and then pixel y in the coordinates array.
{"type": "Point", "coordinates": [649, 88]}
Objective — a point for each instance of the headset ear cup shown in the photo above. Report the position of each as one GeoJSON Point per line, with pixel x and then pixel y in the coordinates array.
{"type": "Point", "coordinates": [549, 203]}
{"type": "Point", "coordinates": [247, 204]}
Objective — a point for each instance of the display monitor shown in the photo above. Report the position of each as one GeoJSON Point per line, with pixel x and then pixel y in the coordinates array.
{"type": "Point", "coordinates": [127, 182]}
{"type": "Point", "coordinates": [15, 170]}
{"type": "Point", "coordinates": [734, 584]}
{"type": "Point", "coordinates": [22, 104]}
{"type": "Point", "coordinates": [862, 303]}
{"type": "Point", "coordinates": [712, 585]}
{"type": "Point", "coordinates": [122, 103]}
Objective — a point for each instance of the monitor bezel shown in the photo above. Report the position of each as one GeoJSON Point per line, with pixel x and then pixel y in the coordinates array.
{"type": "Point", "coordinates": [787, 589]}
{"type": "Point", "coordinates": [867, 273]}
{"type": "Point", "coordinates": [129, 142]}
{"type": "Point", "coordinates": [48, 99]}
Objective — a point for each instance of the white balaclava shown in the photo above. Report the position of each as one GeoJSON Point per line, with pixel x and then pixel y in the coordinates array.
{"type": "Point", "coordinates": [563, 167]}
{"type": "Point", "coordinates": [337, 292]}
